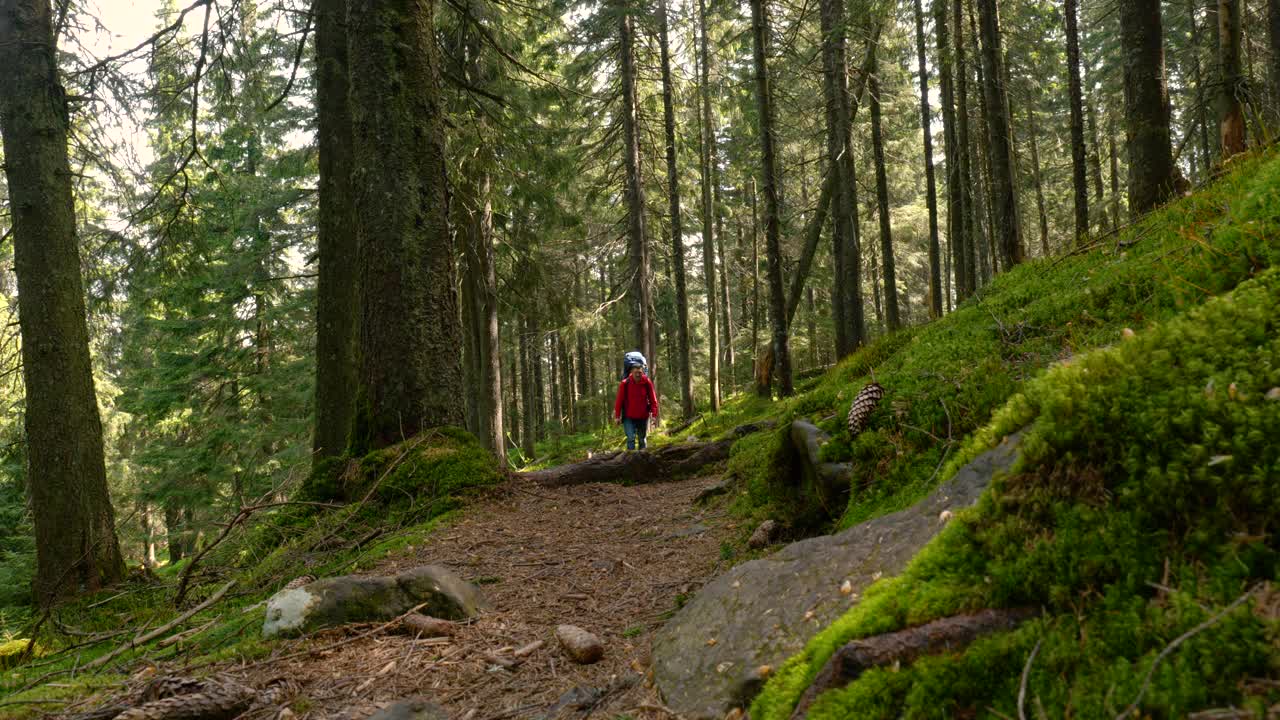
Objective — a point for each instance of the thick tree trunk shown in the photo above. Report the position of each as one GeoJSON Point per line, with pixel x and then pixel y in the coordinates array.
{"type": "Point", "coordinates": [931, 190]}
{"type": "Point", "coordinates": [707, 147]}
{"type": "Point", "coordinates": [1035, 175]}
{"type": "Point", "coordinates": [882, 199]}
{"type": "Point", "coordinates": [637, 248]}
{"type": "Point", "coordinates": [76, 546]}
{"type": "Point", "coordinates": [410, 367]}
{"type": "Point", "coordinates": [772, 196]}
{"type": "Point", "coordinates": [337, 288]}
{"type": "Point", "coordinates": [683, 373]}
{"type": "Point", "coordinates": [1151, 170]}
{"type": "Point", "coordinates": [1078, 182]}
{"type": "Point", "coordinates": [1005, 228]}
{"type": "Point", "coordinates": [966, 268]}
{"type": "Point", "coordinates": [1230, 107]}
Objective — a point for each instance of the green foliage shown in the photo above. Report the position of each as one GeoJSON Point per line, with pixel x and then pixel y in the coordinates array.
{"type": "Point", "coordinates": [1126, 543]}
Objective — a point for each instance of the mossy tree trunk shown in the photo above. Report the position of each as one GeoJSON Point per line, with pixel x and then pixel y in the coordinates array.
{"type": "Point", "coordinates": [1151, 170]}
{"type": "Point", "coordinates": [410, 332]}
{"type": "Point", "coordinates": [337, 288]}
{"type": "Point", "coordinates": [772, 196]}
{"type": "Point", "coordinates": [76, 545]}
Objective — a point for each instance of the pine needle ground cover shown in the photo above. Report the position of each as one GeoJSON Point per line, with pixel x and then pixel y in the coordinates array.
{"type": "Point", "coordinates": [399, 496]}
{"type": "Point", "coordinates": [1141, 517]}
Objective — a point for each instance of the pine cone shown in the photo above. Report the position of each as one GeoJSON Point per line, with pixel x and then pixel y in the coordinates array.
{"type": "Point", "coordinates": [170, 686]}
{"type": "Point", "coordinates": [216, 701]}
{"type": "Point", "coordinates": [300, 581]}
{"type": "Point", "coordinates": [863, 405]}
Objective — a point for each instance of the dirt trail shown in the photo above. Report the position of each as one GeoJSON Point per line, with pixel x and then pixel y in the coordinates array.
{"type": "Point", "coordinates": [610, 559]}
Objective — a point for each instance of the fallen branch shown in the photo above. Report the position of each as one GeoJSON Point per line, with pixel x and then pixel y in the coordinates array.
{"type": "Point", "coordinates": [148, 637]}
{"type": "Point", "coordinates": [904, 646]}
{"type": "Point", "coordinates": [1022, 684]}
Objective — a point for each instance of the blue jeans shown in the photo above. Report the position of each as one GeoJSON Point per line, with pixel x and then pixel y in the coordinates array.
{"type": "Point", "coordinates": [635, 430]}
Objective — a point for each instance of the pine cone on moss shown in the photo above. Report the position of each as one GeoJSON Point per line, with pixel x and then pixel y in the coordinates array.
{"type": "Point", "coordinates": [300, 581]}
{"type": "Point", "coordinates": [863, 405]}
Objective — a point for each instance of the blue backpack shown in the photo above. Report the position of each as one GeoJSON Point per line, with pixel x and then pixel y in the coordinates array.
{"type": "Point", "coordinates": [632, 359]}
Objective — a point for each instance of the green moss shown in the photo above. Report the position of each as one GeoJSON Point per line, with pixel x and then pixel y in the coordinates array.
{"type": "Point", "coordinates": [1152, 462]}
{"type": "Point", "coordinates": [11, 652]}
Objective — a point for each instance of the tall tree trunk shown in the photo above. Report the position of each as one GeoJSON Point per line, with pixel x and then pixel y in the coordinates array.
{"type": "Point", "coordinates": [1078, 182]}
{"type": "Point", "coordinates": [581, 419]}
{"type": "Point", "coordinates": [966, 267]}
{"type": "Point", "coordinates": [707, 147]}
{"type": "Point", "coordinates": [755, 283]}
{"type": "Point", "coordinates": [528, 391]}
{"type": "Point", "coordinates": [1197, 77]}
{"type": "Point", "coordinates": [772, 196]}
{"type": "Point", "coordinates": [537, 348]}
{"type": "Point", "coordinates": [882, 198]}
{"type": "Point", "coordinates": [1151, 170]}
{"type": "Point", "coordinates": [1273, 44]}
{"type": "Point", "coordinates": [410, 368]}
{"type": "Point", "coordinates": [76, 545]}
{"type": "Point", "coordinates": [846, 251]}
{"type": "Point", "coordinates": [931, 190]}
{"type": "Point", "coordinates": [481, 294]}
{"type": "Point", "coordinates": [1115, 176]}
{"type": "Point", "coordinates": [1005, 230]}
{"type": "Point", "coordinates": [947, 80]}
{"type": "Point", "coordinates": [725, 306]}
{"type": "Point", "coordinates": [1035, 174]}
{"type": "Point", "coordinates": [637, 248]}
{"type": "Point", "coordinates": [1230, 107]}
{"type": "Point", "coordinates": [812, 329]}
{"type": "Point", "coordinates": [337, 288]}
{"type": "Point", "coordinates": [683, 374]}
{"type": "Point", "coordinates": [1095, 157]}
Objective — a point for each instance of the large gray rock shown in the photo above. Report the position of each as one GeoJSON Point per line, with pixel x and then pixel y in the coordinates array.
{"type": "Point", "coordinates": [708, 659]}
{"type": "Point", "coordinates": [347, 599]}
{"type": "Point", "coordinates": [412, 709]}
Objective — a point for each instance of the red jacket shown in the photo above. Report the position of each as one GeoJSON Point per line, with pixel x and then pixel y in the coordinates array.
{"type": "Point", "coordinates": [637, 397]}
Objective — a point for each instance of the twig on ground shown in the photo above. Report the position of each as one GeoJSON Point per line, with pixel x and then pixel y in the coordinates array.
{"type": "Point", "coordinates": [1146, 681]}
{"type": "Point", "coordinates": [148, 637]}
{"type": "Point", "coordinates": [1022, 684]}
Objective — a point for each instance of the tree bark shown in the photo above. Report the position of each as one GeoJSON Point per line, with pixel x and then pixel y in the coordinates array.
{"type": "Point", "coordinates": [481, 292]}
{"type": "Point", "coordinates": [966, 267]}
{"type": "Point", "coordinates": [1095, 158]}
{"type": "Point", "coordinates": [882, 199]}
{"type": "Point", "coordinates": [528, 391]}
{"type": "Point", "coordinates": [951, 148]}
{"type": "Point", "coordinates": [1197, 77]}
{"type": "Point", "coordinates": [337, 288]}
{"type": "Point", "coordinates": [772, 196]}
{"type": "Point", "coordinates": [637, 248]}
{"type": "Point", "coordinates": [1078, 182]}
{"type": "Point", "coordinates": [707, 148]}
{"type": "Point", "coordinates": [1005, 227]}
{"type": "Point", "coordinates": [931, 190]}
{"type": "Point", "coordinates": [1035, 174]}
{"type": "Point", "coordinates": [1273, 43]}
{"type": "Point", "coordinates": [1232, 81]}
{"type": "Point", "coordinates": [1115, 179]}
{"type": "Point", "coordinates": [410, 367]}
{"type": "Point", "coordinates": [683, 374]}
{"type": "Point", "coordinates": [725, 306]}
{"type": "Point", "coordinates": [76, 545]}
{"type": "Point", "coordinates": [1151, 170]}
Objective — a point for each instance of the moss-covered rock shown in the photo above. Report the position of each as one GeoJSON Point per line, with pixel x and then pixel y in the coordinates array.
{"type": "Point", "coordinates": [1143, 506]}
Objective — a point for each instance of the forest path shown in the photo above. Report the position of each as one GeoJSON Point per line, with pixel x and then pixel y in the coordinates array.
{"type": "Point", "coordinates": [610, 559]}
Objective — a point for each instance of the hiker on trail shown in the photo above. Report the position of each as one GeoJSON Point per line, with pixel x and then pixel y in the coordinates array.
{"type": "Point", "coordinates": [636, 400]}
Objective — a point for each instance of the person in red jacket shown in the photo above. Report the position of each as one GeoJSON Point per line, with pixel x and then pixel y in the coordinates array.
{"type": "Point", "coordinates": [635, 403]}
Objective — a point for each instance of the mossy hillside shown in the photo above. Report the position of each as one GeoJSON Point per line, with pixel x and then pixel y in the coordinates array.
{"type": "Point", "coordinates": [945, 380]}
{"type": "Point", "coordinates": [1144, 504]}
{"type": "Point", "coordinates": [418, 484]}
